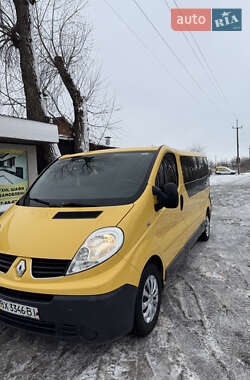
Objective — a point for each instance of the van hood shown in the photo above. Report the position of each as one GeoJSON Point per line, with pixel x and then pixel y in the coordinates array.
{"type": "Point", "coordinates": [53, 233]}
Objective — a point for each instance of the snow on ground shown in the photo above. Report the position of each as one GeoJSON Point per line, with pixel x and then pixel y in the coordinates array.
{"type": "Point", "coordinates": [229, 179]}
{"type": "Point", "coordinates": [203, 332]}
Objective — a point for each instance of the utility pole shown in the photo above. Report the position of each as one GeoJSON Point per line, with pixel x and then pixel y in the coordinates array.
{"type": "Point", "coordinates": [238, 144]}
{"type": "Point", "coordinates": [249, 152]}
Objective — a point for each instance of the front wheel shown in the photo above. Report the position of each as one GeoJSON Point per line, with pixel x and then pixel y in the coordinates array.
{"type": "Point", "coordinates": [148, 301]}
{"type": "Point", "coordinates": [206, 234]}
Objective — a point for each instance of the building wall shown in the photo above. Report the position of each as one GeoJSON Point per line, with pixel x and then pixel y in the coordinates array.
{"type": "Point", "coordinates": [16, 169]}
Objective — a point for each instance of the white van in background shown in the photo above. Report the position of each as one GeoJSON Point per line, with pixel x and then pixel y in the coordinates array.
{"type": "Point", "coordinates": [224, 170]}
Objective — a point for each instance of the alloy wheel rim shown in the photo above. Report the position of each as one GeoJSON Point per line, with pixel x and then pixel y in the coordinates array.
{"type": "Point", "coordinates": [150, 299]}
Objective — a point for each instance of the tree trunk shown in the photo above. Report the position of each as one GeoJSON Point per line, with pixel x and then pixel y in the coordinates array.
{"type": "Point", "coordinates": [80, 126]}
{"type": "Point", "coordinates": [22, 40]}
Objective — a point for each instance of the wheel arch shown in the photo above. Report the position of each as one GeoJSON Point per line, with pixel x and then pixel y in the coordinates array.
{"type": "Point", "coordinates": [156, 260]}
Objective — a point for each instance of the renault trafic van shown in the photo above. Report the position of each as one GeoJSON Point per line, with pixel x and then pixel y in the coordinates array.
{"type": "Point", "coordinates": [86, 251]}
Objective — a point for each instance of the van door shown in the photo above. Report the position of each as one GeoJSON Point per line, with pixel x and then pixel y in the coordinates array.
{"type": "Point", "coordinates": [170, 225]}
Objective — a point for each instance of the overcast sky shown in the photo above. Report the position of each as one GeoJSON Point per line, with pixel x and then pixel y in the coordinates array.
{"type": "Point", "coordinates": [155, 109]}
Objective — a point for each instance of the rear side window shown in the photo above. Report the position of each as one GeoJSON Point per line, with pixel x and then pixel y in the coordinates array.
{"type": "Point", "coordinates": [195, 173]}
{"type": "Point", "coordinates": [167, 172]}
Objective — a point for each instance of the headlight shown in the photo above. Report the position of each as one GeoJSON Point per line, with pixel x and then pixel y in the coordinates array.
{"type": "Point", "coordinates": [98, 247]}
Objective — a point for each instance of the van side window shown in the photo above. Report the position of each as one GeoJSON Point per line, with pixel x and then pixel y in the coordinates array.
{"type": "Point", "coordinates": [160, 178]}
{"type": "Point", "coordinates": [167, 171]}
{"type": "Point", "coordinates": [195, 173]}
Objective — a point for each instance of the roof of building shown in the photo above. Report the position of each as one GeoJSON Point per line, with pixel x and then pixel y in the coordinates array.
{"type": "Point", "coordinates": [17, 129]}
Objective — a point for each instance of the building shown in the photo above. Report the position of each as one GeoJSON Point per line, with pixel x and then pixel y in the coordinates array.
{"type": "Point", "coordinates": [19, 141]}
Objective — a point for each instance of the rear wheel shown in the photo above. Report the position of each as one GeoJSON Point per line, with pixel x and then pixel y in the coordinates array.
{"type": "Point", "coordinates": [148, 301]}
{"type": "Point", "coordinates": [206, 234]}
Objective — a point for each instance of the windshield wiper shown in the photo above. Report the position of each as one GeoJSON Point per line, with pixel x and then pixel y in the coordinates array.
{"type": "Point", "coordinates": [75, 204]}
{"type": "Point", "coordinates": [63, 204]}
{"type": "Point", "coordinates": [40, 201]}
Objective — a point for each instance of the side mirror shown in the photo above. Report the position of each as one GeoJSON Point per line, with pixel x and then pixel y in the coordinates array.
{"type": "Point", "coordinates": [167, 197]}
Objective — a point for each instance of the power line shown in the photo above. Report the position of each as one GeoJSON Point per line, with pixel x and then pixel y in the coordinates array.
{"type": "Point", "coordinates": [147, 48]}
{"type": "Point", "coordinates": [191, 46]}
{"type": "Point", "coordinates": [204, 62]}
{"type": "Point", "coordinates": [172, 50]}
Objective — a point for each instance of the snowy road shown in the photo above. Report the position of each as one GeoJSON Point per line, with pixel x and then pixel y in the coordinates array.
{"type": "Point", "coordinates": [203, 331]}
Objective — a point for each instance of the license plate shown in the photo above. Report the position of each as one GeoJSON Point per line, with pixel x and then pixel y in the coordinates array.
{"type": "Point", "coordinates": [18, 309]}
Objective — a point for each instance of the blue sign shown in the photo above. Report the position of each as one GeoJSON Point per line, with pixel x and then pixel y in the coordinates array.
{"type": "Point", "coordinates": [226, 19]}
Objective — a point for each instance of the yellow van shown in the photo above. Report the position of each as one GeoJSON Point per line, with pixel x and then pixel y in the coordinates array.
{"type": "Point", "coordinates": [86, 251]}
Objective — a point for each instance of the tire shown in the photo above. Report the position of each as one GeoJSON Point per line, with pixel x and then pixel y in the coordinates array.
{"type": "Point", "coordinates": [206, 234]}
{"type": "Point", "coordinates": [146, 316]}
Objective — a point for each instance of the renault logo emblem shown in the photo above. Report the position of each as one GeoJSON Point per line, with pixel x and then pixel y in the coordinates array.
{"type": "Point", "coordinates": [21, 268]}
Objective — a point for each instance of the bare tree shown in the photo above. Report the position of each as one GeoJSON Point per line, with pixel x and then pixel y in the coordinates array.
{"type": "Point", "coordinates": [16, 31]}
{"type": "Point", "coordinates": [68, 83]}
{"type": "Point", "coordinates": [64, 40]}
{"type": "Point", "coordinates": [12, 95]}
{"type": "Point", "coordinates": [197, 148]}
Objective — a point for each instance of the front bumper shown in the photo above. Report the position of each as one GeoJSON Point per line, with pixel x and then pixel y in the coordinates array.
{"type": "Point", "coordinates": [95, 319]}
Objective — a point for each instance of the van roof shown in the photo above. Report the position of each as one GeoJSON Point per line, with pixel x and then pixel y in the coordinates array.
{"type": "Point", "coordinates": [117, 150]}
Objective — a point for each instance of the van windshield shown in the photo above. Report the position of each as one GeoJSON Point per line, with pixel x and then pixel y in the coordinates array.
{"type": "Point", "coordinates": [92, 180]}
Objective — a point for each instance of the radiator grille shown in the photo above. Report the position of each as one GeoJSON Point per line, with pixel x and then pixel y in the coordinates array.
{"type": "Point", "coordinates": [25, 296]}
{"type": "Point", "coordinates": [47, 268]}
{"type": "Point", "coordinates": [6, 261]}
